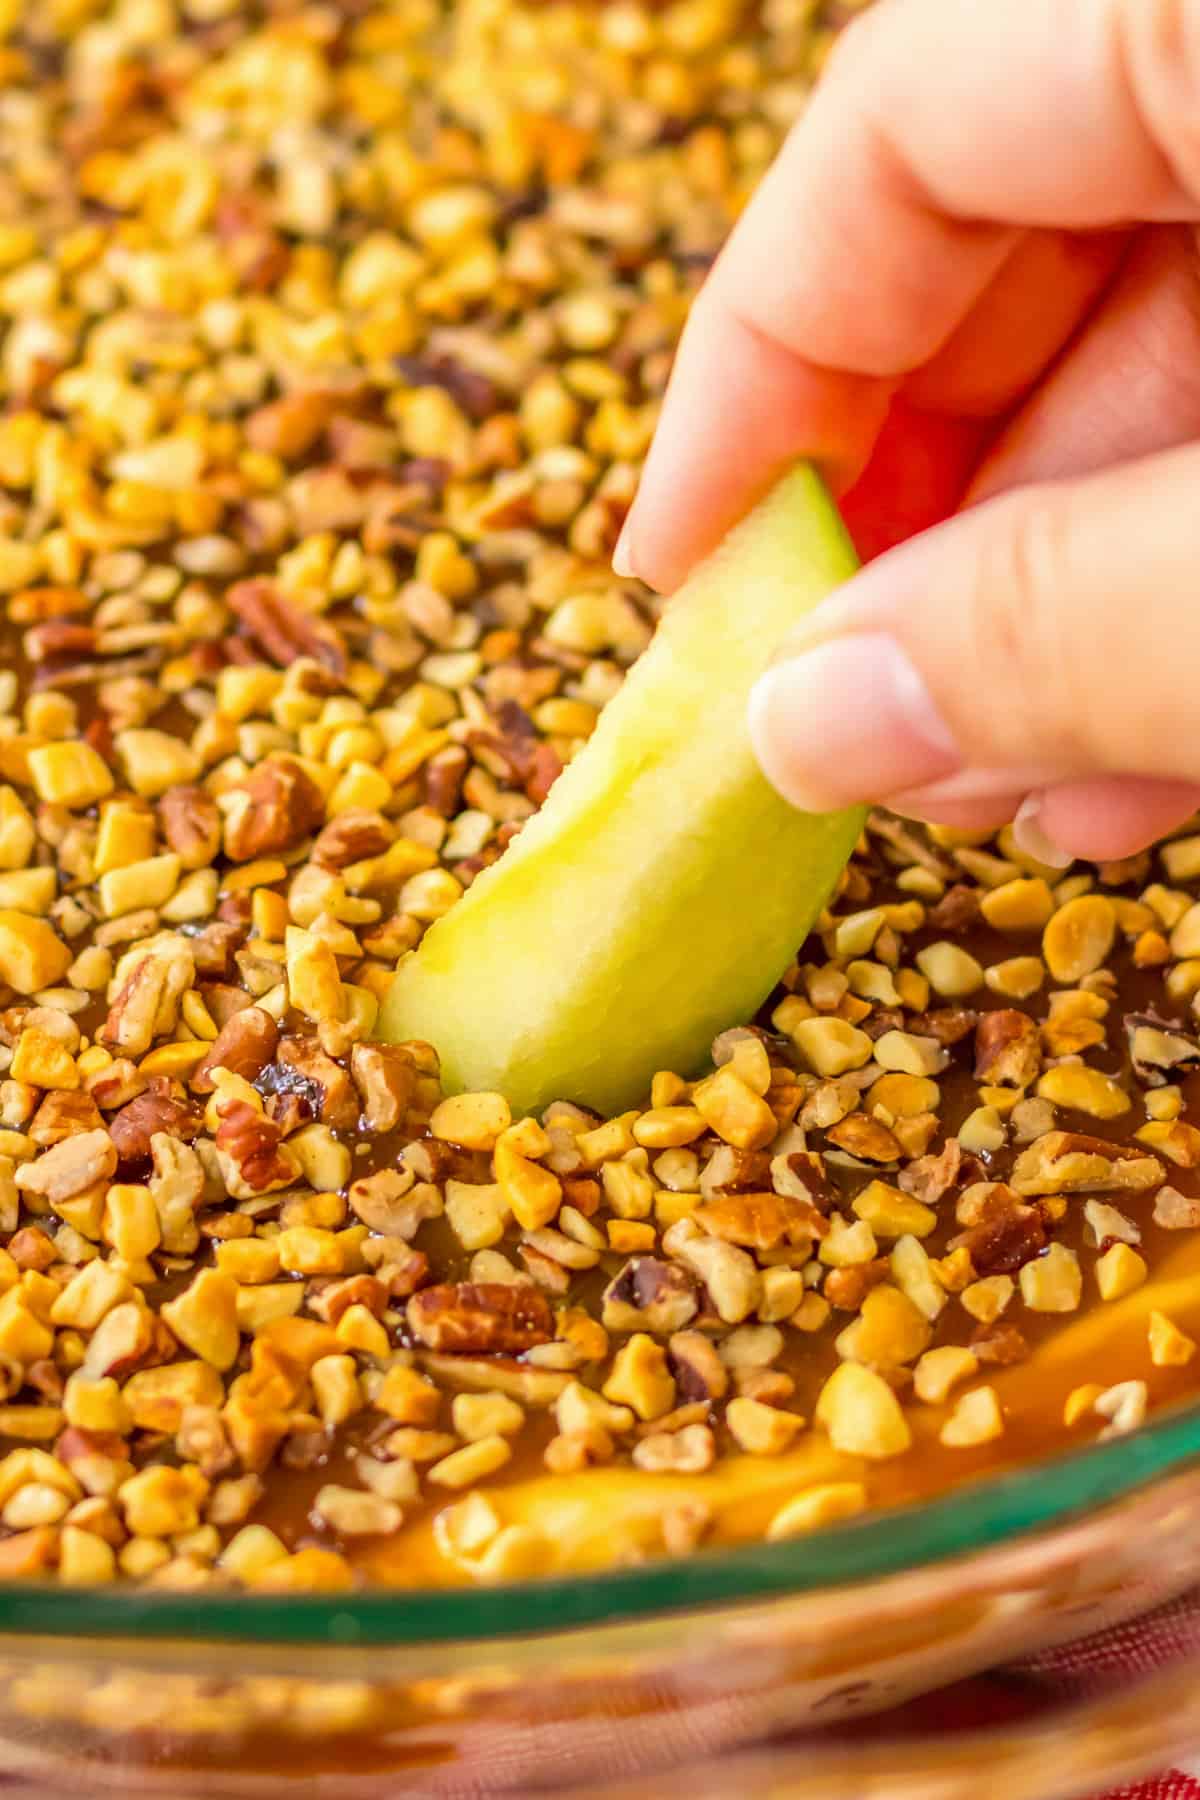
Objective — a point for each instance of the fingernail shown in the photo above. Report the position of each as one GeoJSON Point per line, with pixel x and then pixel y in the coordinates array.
{"type": "Point", "coordinates": [1029, 835]}
{"type": "Point", "coordinates": [622, 556]}
{"type": "Point", "coordinates": [849, 720]}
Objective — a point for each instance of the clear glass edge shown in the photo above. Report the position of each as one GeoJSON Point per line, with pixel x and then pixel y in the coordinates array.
{"type": "Point", "coordinates": [974, 1518]}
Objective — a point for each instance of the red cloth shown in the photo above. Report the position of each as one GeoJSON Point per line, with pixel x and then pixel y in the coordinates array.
{"type": "Point", "coordinates": [1079, 1672]}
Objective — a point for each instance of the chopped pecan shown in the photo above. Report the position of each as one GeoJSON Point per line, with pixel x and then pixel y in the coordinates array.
{"type": "Point", "coordinates": [116, 1085]}
{"type": "Point", "coordinates": [331, 1301]}
{"type": "Point", "coordinates": [61, 1115]}
{"type": "Point", "coordinates": [1066, 1162]}
{"type": "Point", "coordinates": [329, 1086]}
{"type": "Point", "coordinates": [930, 1178]}
{"type": "Point", "coordinates": [698, 1370]}
{"type": "Point", "coordinates": [729, 1169]}
{"type": "Point", "coordinates": [481, 1318]}
{"type": "Point", "coordinates": [865, 1139]}
{"type": "Point", "coordinates": [291, 425]}
{"type": "Point", "coordinates": [250, 1151]}
{"type": "Point", "coordinates": [846, 1289]}
{"type": "Point", "coordinates": [1001, 1345]}
{"type": "Point", "coordinates": [213, 950]}
{"type": "Point", "coordinates": [70, 1168]}
{"type": "Point", "coordinates": [1158, 1050]}
{"type": "Point", "coordinates": [761, 1221]}
{"type": "Point", "coordinates": [59, 639]}
{"type": "Point", "coordinates": [276, 806]}
{"type": "Point", "coordinates": [948, 1024]}
{"type": "Point", "coordinates": [957, 910]}
{"type": "Point", "coordinates": [134, 1126]}
{"type": "Point", "coordinates": [442, 779]}
{"type": "Point", "coordinates": [388, 1202]}
{"type": "Point", "coordinates": [386, 1079]}
{"type": "Point", "coordinates": [244, 1046]}
{"type": "Point", "coordinates": [1003, 1232]}
{"type": "Point", "coordinates": [191, 825]}
{"type": "Point", "coordinates": [283, 629]}
{"type": "Point", "coordinates": [1175, 1211]}
{"type": "Point", "coordinates": [650, 1295]}
{"type": "Point", "coordinates": [148, 1000]}
{"type": "Point", "coordinates": [1008, 1050]}
{"type": "Point", "coordinates": [30, 1248]}
{"type": "Point", "coordinates": [352, 837]}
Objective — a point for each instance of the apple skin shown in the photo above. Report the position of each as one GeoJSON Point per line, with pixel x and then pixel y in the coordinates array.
{"type": "Point", "coordinates": [664, 886]}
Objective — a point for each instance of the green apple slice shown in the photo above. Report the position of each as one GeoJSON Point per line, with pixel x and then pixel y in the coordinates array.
{"type": "Point", "coordinates": [664, 886]}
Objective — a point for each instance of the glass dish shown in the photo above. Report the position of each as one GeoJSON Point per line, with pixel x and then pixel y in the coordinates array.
{"type": "Point", "coordinates": [605, 1685]}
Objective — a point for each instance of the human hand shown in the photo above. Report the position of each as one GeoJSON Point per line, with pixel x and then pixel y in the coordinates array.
{"type": "Point", "coordinates": [970, 286]}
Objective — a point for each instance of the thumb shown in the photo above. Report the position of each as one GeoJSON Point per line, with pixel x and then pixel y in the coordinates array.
{"type": "Point", "coordinates": [1030, 645]}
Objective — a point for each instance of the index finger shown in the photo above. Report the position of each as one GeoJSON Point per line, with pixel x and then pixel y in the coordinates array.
{"type": "Point", "coordinates": [941, 133]}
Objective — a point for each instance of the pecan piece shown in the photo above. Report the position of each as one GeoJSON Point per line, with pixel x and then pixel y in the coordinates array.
{"type": "Point", "coordinates": [1066, 1162]}
{"type": "Point", "coordinates": [761, 1221]}
{"type": "Point", "coordinates": [865, 1139]}
{"type": "Point", "coordinates": [729, 1169]}
{"type": "Point", "coordinates": [244, 1046]}
{"type": "Point", "coordinates": [329, 1086]}
{"type": "Point", "coordinates": [133, 1127]}
{"type": "Point", "coordinates": [1004, 1234]}
{"type": "Point", "coordinates": [1158, 1050]}
{"type": "Point", "coordinates": [698, 1370]}
{"type": "Point", "coordinates": [352, 837]}
{"type": "Point", "coordinates": [1001, 1345]}
{"type": "Point", "coordinates": [291, 425]}
{"type": "Point", "coordinates": [481, 1318]}
{"type": "Point", "coordinates": [70, 1168]}
{"type": "Point", "coordinates": [386, 1079]}
{"type": "Point", "coordinates": [61, 1115]}
{"type": "Point", "coordinates": [191, 825]}
{"type": "Point", "coordinates": [276, 807]}
{"type": "Point", "coordinates": [283, 629]}
{"type": "Point", "coordinates": [650, 1295]}
{"type": "Point", "coordinates": [1175, 1211]}
{"type": "Point", "coordinates": [957, 909]}
{"type": "Point", "coordinates": [252, 1156]}
{"type": "Point", "coordinates": [389, 1203]}
{"type": "Point", "coordinates": [148, 1000]}
{"type": "Point", "coordinates": [1008, 1050]}
{"type": "Point", "coordinates": [930, 1178]}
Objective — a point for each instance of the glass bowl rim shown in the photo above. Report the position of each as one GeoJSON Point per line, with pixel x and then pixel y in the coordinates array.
{"type": "Point", "coordinates": [974, 1518]}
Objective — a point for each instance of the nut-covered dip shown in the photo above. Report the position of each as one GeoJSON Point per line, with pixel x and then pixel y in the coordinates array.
{"type": "Point", "coordinates": [331, 337]}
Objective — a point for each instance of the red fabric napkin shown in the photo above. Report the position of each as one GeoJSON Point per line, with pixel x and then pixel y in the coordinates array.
{"type": "Point", "coordinates": [1081, 1671]}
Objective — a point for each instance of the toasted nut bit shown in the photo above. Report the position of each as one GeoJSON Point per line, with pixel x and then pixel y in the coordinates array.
{"type": "Point", "coordinates": [976, 1419]}
{"type": "Point", "coordinates": [352, 1513]}
{"type": "Point", "coordinates": [761, 1430]}
{"type": "Point", "coordinates": [473, 1120]}
{"type": "Point", "coordinates": [1081, 1403]}
{"type": "Point", "coordinates": [1084, 1090]}
{"type": "Point", "coordinates": [1079, 937]}
{"type": "Point", "coordinates": [641, 1379]}
{"type": "Point", "coordinates": [686, 1452]}
{"type": "Point", "coordinates": [474, 1462]}
{"type": "Point", "coordinates": [949, 970]}
{"type": "Point", "coordinates": [891, 1214]}
{"type": "Point", "coordinates": [862, 1415]}
{"type": "Point", "coordinates": [940, 1370]}
{"type": "Point", "coordinates": [1124, 1406]}
{"type": "Point", "coordinates": [985, 1300]}
{"type": "Point", "coordinates": [486, 1415]}
{"type": "Point", "coordinates": [1054, 1282]}
{"type": "Point", "coordinates": [734, 1111]}
{"type": "Point", "coordinates": [1119, 1271]}
{"type": "Point", "coordinates": [830, 1047]}
{"type": "Point", "coordinates": [1024, 904]}
{"type": "Point", "coordinates": [1170, 1348]}
{"type": "Point", "coordinates": [817, 1507]}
